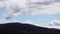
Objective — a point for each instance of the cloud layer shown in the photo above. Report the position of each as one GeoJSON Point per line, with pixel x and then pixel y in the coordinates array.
{"type": "Point", "coordinates": [32, 8]}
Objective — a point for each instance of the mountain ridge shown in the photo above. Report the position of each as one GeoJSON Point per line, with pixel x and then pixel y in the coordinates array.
{"type": "Point", "coordinates": [19, 28]}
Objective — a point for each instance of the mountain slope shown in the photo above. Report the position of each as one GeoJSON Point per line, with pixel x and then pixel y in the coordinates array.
{"type": "Point", "coordinates": [18, 28]}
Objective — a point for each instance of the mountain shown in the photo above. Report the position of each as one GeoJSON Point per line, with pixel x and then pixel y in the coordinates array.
{"type": "Point", "coordinates": [19, 28]}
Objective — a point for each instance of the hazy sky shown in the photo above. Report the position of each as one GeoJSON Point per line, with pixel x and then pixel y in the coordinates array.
{"type": "Point", "coordinates": [44, 13]}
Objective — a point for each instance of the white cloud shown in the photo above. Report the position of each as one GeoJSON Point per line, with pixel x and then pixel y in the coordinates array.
{"type": "Point", "coordinates": [53, 8]}
{"type": "Point", "coordinates": [8, 4]}
{"type": "Point", "coordinates": [56, 27]}
{"type": "Point", "coordinates": [3, 21]}
{"type": "Point", "coordinates": [37, 0]}
{"type": "Point", "coordinates": [55, 22]}
{"type": "Point", "coordinates": [42, 0]}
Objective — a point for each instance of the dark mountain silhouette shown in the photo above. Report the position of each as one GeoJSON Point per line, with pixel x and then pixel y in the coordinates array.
{"type": "Point", "coordinates": [18, 28]}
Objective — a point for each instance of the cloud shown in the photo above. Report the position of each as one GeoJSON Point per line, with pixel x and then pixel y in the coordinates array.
{"type": "Point", "coordinates": [49, 9]}
{"type": "Point", "coordinates": [56, 27]}
{"type": "Point", "coordinates": [55, 22]}
{"type": "Point", "coordinates": [12, 6]}
{"type": "Point", "coordinates": [28, 21]}
{"type": "Point", "coordinates": [57, 0]}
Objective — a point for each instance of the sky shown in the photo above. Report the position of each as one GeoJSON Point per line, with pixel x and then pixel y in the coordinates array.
{"type": "Point", "coordinates": [45, 13]}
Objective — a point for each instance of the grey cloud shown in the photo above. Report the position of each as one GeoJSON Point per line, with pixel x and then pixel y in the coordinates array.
{"type": "Point", "coordinates": [57, 0]}
{"type": "Point", "coordinates": [30, 5]}
{"type": "Point", "coordinates": [3, 0]}
{"type": "Point", "coordinates": [38, 5]}
{"type": "Point", "coordinates": [42, 3]}
{"type": "Point", "coordinates": [56, 24]}
{"type": "Point", "coordinates": [15, 9]}
{"type": "Point", "coordinates": [9, 17]}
